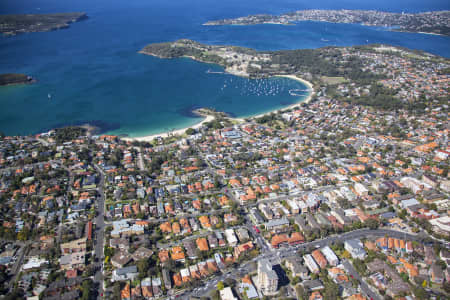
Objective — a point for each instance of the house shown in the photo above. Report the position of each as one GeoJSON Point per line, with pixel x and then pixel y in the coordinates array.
{"type": "Point", "coordinates": [142, 253]}
{"type": "Point", "coordinates": [361, 190]}
{"type": "Point", "coordinates": [74, 246]}
{"type": "Point", "coordinates": [166, 279]}
{"type": "Point", "coordinates": [297, 269]}
{"type": "Point", "coordinates": [185, 275]}
{"type": "Point", "coordinates": [34, 263]}
{"type": "Point", "coordinates": [242, 235]}
{"type": "Point", "coordinates": [72, 261]}
{"type": "Point", "coordinates": [156, 285]}
{"type": "Point", "coordinates": [330, 256]}
{"type": "Point", "coordinates": [177, 254]}
{"type": "Point", "coordinates": [242, 248]}
{"type": "Point", "coordinates": [227, 294]}
{"type": "Point", "coordinates": [436, 274]}
{"type": "Point", "coordinates": [311, 263]}
{"type": "Point", "coordinates": [355, 248]}
{"type": "Point", "coordinates": [191, 249]}
{"type": "Point", "coordinates": [231, 237]}
{"type": "Point", "coordinates": [125, 294]}
{"type": "Point", "coordinates": [119, 243]}
{"type": "Point", "coordinates": [120, 259]}
{"type": "Point", "coordinates": [202, 244]}
{"type": "Point", "coordinates": [124, 274]}
{"type": "Point", "coordinates": [319, 258]}
{"type": "Point", "coordinates": [312, 285]}
{"type": "Point", "coordinates": [276, 224]}
{"type": "Point", "coordinates": [441, 225]}
{"type": "Point", "coordinates": [247, 288]}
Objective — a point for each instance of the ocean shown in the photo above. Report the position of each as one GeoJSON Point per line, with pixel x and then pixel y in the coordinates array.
{"type": "Point", "coordinates": [95, 75]}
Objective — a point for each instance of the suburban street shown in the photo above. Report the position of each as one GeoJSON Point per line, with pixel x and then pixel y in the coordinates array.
{"type": "Point", "coordinates": [100, 231]}
{"type": "Point", "coordinates": [364, 287]}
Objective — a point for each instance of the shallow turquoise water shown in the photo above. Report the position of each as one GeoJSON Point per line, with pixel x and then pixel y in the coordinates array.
{"type": "Point", "coordinates": [94, 74]}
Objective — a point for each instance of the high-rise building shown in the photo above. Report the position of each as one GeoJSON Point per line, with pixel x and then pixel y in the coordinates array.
{"type": "Point", "coordinates": [267, 277]}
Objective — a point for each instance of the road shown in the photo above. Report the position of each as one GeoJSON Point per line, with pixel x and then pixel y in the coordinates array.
{"type": "Point", "coordinates": [364, 287]}
{"type": "Point", "coordinates": [18, 264]}
{"type": "Point", "coordinates": [99, 237]}
{"type": "Point", "coordinates": [140, 161]}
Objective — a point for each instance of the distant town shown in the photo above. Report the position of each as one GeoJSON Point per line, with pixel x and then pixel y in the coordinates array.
{"type": "Point", "coordinates": [436, 22]}
{"type": "Point", "coordinates": [343, 197]}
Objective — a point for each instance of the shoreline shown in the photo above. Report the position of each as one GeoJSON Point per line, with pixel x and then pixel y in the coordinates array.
{"type": "Point", "coordinates": [181, 131]}
{"type": "Point", "coordinates": [209, 118]}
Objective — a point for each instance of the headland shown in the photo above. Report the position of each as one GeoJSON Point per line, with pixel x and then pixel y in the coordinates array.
{"type": "Point", "coordinates": [15, 24]}
{"type": "Point", "coordinates": [434, 22]}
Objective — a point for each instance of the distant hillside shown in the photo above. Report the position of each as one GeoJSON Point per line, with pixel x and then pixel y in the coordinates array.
{"type": "Point", "coordinates": [436, 22]}
{"type": "Point", "coordinates": [15, 24]}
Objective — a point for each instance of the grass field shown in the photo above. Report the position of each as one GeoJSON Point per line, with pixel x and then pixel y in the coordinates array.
{"type": "Point", "coordinates": [333, 80]}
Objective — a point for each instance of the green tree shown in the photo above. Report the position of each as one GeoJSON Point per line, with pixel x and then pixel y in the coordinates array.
{"type": "Point", "coordinates": [86, 289]}
{"type": "Point", "coordinates": [301, 294]}
{"type": "Point", "coordinates": [190, 131]}
{"type": "Point", "coordinates": [372, 223]}
{"type": "Point", "coordinates": [142, 267]}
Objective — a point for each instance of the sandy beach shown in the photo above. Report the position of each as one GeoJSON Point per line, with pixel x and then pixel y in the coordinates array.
{"type": "Point", "coordinates": [149, 138]}
{"type": "Point", "coordinates": [209, 118]}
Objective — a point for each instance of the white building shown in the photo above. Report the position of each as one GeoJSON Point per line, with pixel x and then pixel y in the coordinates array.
{"type": "Point", "coordinates": [355, 248]}
{"type": "Point", "coordinates": [267, 279]}
{"type": "Point", "coordinates": [227, 294]}
{"type": "Point", "coordinates": [310, 263]}
{"type": "Point", "coordinates": [231, 237]}
{"type": "Point", "coordinates": [330, 256]}
{"type": "Point", "coordinates": [361, 190]}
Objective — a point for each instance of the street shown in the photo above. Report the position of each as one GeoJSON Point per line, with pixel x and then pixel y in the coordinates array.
{"type": "Point", "coordinates": [99, 238]}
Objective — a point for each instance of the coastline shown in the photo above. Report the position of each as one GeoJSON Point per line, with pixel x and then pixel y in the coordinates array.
{"type": "Point", "coordinates": [149, 138]}
{"type": "Point", "coordinates": [209, 118]}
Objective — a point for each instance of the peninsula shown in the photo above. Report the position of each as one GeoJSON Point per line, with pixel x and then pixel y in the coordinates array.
{"type": "Point", "coordinates": [369, 75]}
{"type": "Point", "coordinates": [435, 22]}
{"type": "Point", "coordinates": [15, 24]}
{"type": "Point", "coordinates": [9, 79]}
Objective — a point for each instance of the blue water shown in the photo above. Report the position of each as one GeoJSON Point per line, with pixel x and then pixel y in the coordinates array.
{"type": "Point", "coordinates": [94, 73]}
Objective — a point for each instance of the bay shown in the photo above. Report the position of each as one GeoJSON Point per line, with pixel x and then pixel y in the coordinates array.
{"type": "Point", "coordinates": [94, 74]}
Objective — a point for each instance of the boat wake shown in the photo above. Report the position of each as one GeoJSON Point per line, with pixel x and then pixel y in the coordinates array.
{"type": "Point", "coordinates": [214, 72]}
{"type": "Point", "coordinates": [295, 92]}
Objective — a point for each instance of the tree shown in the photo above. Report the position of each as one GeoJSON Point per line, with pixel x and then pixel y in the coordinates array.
{"type": "Point", "coordinates": [190, 131]}
{"type": "Point", "coordinates": [215, 295]}
{"type": "Point", "coordinates": [446, 287]}
{"type": "Point", "coordinates": [372, 223]}
{"type": "Point", "coordinates": [359, 266]}
{"type": "Point", "coordinates": [142, 267]}
{"type": "Point", "coordinates": [420, 292]}
{"type": "Point", "coordinates": [301, 294]}
{"type": "Point", "coordinates": [86, 289]}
